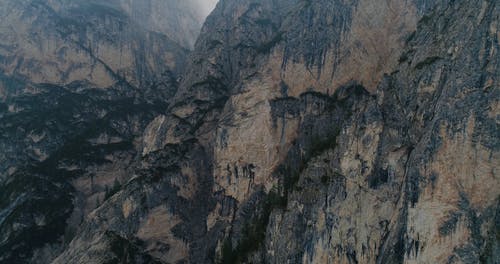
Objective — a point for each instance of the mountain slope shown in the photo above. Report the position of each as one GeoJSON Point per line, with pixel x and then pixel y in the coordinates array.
{"type": "Point", "coordinates": [413, 178]}
{"type": "Point", "coordinates": [95, 42]}
{"type": "Point", "coordinates": [79, 82]}
{"type": "Point", "coordinates": [301, 132]}
{"type": "Point", "coordinates": [285, 141]}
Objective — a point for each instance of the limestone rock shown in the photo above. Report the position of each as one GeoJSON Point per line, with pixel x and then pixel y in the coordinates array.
{"type": "Point", "coordinates": [300, 132]}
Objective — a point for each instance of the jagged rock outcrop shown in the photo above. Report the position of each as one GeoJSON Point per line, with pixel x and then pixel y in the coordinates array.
{"type": "Point", "coordinates": [79, 83]}
{"type": "Point", "coordinates": [100, 43]}
{"type": "Point", "coordinates": [313, 132]}
{"type": "Point", "coordinates": [413, 178]}
{"type": "Point", "coordinates": [272, 67]}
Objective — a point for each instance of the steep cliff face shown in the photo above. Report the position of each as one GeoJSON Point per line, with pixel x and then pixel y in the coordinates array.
{"type": "Point", "coordinates": [100, 43]}
{"type": "Point", "coordinates": [413, 177]}
{"type": "Point", "coordinates": [79, 82]}
{"type": "Point", "coordinates": [317, 157]}
{"type": "Point", "coordinates": [301, 132]}
{"type": "Point", "coordinates": [322, 132]}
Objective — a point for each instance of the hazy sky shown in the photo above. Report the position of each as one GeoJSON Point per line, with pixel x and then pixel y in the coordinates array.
{"type": "Point", "coordinates": [179, 19]}
{"type": "Point", "coordinates": [204, 6]}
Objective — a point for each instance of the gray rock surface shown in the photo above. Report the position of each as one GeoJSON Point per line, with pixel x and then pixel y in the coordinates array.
{"type": "Point", "coordinates": [300, 132]}
{"type": "Point", "coordinates": [79, 83]}
{"type": "Point", "coordinates": [101, 43]}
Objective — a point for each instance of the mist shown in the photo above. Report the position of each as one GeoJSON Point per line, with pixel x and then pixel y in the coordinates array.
{"type": "Point", "coordinates": [181, 20]}
{"type": "Point", "coordinates": [203, 7]}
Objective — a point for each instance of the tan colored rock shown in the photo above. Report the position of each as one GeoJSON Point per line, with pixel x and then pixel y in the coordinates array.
{"type": "Point", "coordinates": [441, 200]}
{"type": "Point", "coordinates": [128, 207]}
{"type": "Point", "coordinates": [156, 231]}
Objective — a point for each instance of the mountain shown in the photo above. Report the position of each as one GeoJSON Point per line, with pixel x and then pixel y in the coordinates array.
{"type": "Point", "coordinates": [99, 43]}
{"type": "Point", "coordinates": [79, 82]}
{"type": "Point", "coordinates": [296, 131]}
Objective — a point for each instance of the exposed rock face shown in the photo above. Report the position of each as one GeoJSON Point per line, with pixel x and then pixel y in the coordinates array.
{"type": "Point", "coordinates": [302, 132]}
{"type": "Point", "coordinates": [66, 143]}
{"type": "Point", "coordinates": [406, 182]}
{"type": "Point", "coordinates": [350, 178]}
{"type": "Point", "coordinates": [101, 43]}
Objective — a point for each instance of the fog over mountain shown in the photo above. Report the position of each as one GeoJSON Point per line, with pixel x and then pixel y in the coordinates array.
{"type": "Point", "coordinates": [204, 7]}
{"type": "Point", "coordinates": [181, 19]}
{"type": "Point", "coordinates": [99, 42]}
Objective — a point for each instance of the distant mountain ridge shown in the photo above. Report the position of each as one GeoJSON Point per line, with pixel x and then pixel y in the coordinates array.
{"type": "Point", "coordinates": [79, 82]}
{"type": "Point", "coordinates": [97, 42]}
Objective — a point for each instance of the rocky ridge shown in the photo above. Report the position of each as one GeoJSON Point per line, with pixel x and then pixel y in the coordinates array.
{"type": "Point", "coordinates": [96, 43]}
{"type": "Point", "coordinates": [79, 82]}
{"type": "Point", "coordinates": [315, 132]}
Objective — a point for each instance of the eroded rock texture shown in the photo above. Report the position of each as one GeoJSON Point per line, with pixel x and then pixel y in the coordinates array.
{"type": "Point", "coordinates": [406, 182]}
{"type": "Point", "coordinates": [346, 132]}
{"type": "Point", "coordinates": [79, 83]}
{"type": "Point", "coordinates": [100, 43]}
{"type": "Point", "coordinates": [301, 132]}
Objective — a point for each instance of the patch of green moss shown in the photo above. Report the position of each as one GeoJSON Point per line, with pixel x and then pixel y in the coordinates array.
{"type": "Point", "coordinates": [110, 192]}
{"type": "Point", "coordinates": [450, 225]}
{"type": "Point", "coordinates": [253, 233]}
{"type": "Point", "coordinates": [325, 179]}
{"type": "Point", "coordinates": [492, 242]}
{"type": "Point", "coordinates": [427, 61]}
{"type": "Point", "coordinates": [319, 145]}
{"type": "Point", "coordinates": [32, 196]}
{"type": "Point", "coordinates": [264, 22]}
